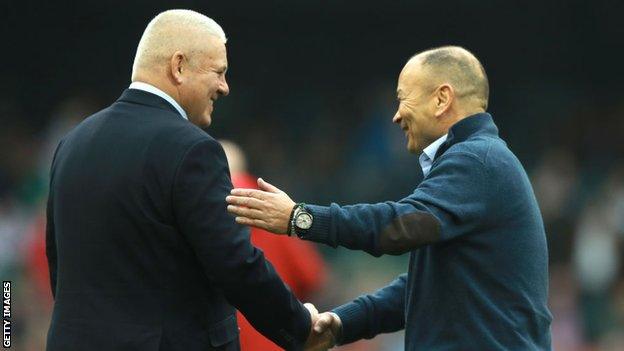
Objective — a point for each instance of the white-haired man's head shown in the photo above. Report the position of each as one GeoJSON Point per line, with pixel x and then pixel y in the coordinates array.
{"type": "Point", "coordinates": [182, 52]}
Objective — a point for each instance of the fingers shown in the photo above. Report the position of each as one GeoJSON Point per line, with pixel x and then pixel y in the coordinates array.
{"type": "Point", "coordinates": [272, 209]}
{"type": "Point", "coordinates": [311, 308]}
{"type": "Point", "coordinates": [320, 340]}
{"type": "Point", "coordinates": [244, 201]}
{"type": "Point", "coordinates": [255, 193]}
{"type": "Point", "coordinates": [264, 185]}
{"type": "Point", "coordinates": [250, 213]}
{"type": "Point", "coordinates": [258, 223]}
{"type": "Point", "coordinates": [323, 323]}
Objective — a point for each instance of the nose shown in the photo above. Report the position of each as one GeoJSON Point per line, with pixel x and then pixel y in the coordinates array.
{"type": "Point", "coordinates": [224, 88]}
{"type": "Point", "coordinates": [397, 118]}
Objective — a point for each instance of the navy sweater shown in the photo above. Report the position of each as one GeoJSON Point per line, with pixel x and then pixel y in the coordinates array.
{"type": "Point", "coordinates": [483, 285]}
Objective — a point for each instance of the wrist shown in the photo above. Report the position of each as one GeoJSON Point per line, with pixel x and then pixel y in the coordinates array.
{"type": "Point", "coordinates": [290, 227]}
{"type": "Point", "coordinates": [337, 331]}
{"type": "Point", "coordinates": [300, 220]}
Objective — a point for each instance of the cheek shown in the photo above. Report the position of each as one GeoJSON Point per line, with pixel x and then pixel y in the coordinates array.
{"type": "Point", "coordinates": [405, 114]}
{"type": "Point", "coordinates": [211, 86]}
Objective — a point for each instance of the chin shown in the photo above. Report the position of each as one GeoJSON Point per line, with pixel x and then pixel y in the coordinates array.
{"type": "Point", "coordinates": [202, 121]}
{"type": "Point", "coordinates": [206, 122]}
{"type": "Point", "coordinates": [413, 148]}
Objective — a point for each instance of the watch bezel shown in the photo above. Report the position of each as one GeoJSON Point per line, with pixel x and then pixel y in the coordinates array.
{"type": "Point", "coordinates": [300, 215]}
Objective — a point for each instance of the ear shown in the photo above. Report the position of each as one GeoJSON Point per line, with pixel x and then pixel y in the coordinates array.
{"type": "Point", "coordinates": [177, 67]}
{"type": "Point", "coordinates": [444, 97]}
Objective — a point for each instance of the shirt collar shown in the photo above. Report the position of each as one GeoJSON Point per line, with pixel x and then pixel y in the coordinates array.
{"type": "Point", "coordinates": [152, 89]}
{"type": "Point", "coordinates": [428, 154]}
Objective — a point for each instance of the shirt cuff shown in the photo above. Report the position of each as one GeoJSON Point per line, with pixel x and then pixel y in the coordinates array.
{"type": "Point", "coordinates": [321, 223]}
{"type": "Point", "coordinates": [353, 318]}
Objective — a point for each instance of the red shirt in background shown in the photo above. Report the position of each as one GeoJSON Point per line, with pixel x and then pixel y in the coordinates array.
{"type": "Point", "coordinates": [297, 262]}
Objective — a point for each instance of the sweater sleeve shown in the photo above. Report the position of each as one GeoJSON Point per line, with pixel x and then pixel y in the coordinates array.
{"type": "Point", "coordinates": [446, 204]}
{"type": "Point", "coordinates": [369, 315]}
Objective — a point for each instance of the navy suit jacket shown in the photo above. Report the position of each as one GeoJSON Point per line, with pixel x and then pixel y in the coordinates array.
{"type": "Point", "coordinates": [142, 252]}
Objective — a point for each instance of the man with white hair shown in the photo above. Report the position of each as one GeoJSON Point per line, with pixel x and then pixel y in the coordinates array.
{"type": "Point", "coordinates": [142, 252]}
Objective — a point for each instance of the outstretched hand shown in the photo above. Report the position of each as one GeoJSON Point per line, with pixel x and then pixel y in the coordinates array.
{"type": "Point", "coordinates": [268, 208]}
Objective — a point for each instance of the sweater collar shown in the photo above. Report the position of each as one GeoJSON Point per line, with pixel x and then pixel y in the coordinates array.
{"type": "Point", "coordinates": [477, 124]}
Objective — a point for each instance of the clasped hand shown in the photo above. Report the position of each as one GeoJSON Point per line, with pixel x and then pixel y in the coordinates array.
{"type": "Point", "coordinates": [325, 329]}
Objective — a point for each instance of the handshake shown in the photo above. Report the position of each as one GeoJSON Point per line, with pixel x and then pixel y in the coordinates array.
{"type": "Point", "coordinates": [326, 329]}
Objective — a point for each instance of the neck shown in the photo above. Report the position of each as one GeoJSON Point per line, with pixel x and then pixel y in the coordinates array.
{"type": "Point", "coordinates": [165, 86]}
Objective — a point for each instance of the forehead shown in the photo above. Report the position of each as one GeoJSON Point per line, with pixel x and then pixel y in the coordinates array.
{"type": "Point", "coordinates": [214, 51]}
{"type": "Point", "coordinates": [411, 75]}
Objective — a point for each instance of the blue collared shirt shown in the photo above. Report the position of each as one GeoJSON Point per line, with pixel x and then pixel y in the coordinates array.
{"type": "Point", "coordinates": [152, 89]}
{"type": "Point", "coordinates": [426, 158]}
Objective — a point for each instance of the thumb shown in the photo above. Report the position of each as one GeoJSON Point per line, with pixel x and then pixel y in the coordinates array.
{"type": "Point", "coordinates": [267, 186]}
{"type": "Point", "coordinates": [311, 308]}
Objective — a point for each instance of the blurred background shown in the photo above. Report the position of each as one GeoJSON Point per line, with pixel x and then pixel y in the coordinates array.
{"type": "Point", "coordinates": [312, 98]}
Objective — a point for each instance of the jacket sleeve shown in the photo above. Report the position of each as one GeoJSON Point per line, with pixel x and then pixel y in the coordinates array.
{"type": "Point", "coordinates": [369, 315]}
{"type": "Point", "coordinates": [51, 253]}
{"type": "Point", "coordinates": [446, 204]}
{"type": "Point", "coordinates": [248, 281]}
{"type": "Point", "coordinates": [51, 244]}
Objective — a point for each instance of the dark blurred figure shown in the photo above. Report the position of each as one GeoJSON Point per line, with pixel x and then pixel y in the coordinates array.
{"type": "Point", "coordinates": [556, 182]}
{"type": "Point", "coordinates": [598, 261]}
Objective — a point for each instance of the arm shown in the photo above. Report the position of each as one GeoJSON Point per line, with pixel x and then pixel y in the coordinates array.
{"type": "Point", "coordinates": [230, 262]}
{"type": "Point", "coordinates": [51, 244]}
{"type": "Point", "coordinates": [451, 194]}
{"type": "Point", "coordinates": [50, 235]}
{"type": "Point", "coordinates": [367, 316]}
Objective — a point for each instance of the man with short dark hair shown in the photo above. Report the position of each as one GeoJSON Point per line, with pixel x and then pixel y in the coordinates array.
{"type": "Point", "coordinates": [478, 273]}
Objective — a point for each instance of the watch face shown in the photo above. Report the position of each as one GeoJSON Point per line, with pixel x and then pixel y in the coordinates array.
{"type": "Point", "coordinates": [304, 221]}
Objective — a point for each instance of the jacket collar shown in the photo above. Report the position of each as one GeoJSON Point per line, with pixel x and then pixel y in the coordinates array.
{"type": "Point", "coordinates": [477, 124]}
{"type": "Point", "coordinates": [141, 97]}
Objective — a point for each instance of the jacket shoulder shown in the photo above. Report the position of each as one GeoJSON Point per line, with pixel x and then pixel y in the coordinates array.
{"type": "Point", "coordinates": [477, 147]}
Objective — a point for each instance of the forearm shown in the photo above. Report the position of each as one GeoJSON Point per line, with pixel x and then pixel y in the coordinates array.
{"type": "Point", "coordinates": [384, 228]}
{"type": "Point", "coordinates": [369, 315]}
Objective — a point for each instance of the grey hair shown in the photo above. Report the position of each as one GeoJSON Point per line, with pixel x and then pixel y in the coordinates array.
{"type": "Point", "coordinates": [461, 68]}
{"type": "Point", "coordinates": [173, 30]}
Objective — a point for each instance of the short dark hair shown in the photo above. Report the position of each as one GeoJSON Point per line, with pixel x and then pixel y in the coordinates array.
{"type": "Point", "coordinates": [461, 68]}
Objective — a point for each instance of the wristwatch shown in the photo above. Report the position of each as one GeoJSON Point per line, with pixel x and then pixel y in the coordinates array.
{"type": "Point", "coordinates": [300, 220]}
